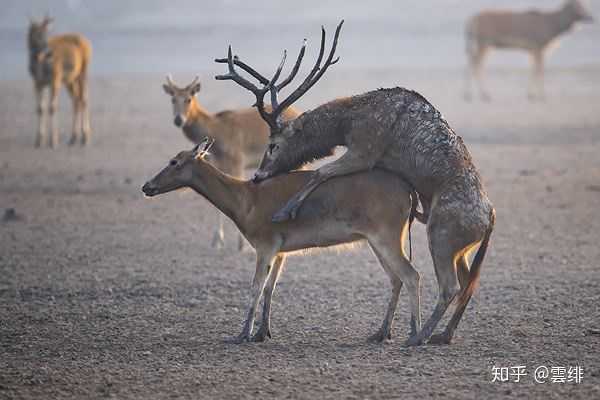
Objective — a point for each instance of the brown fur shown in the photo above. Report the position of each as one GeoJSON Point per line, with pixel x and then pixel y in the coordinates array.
{"type": "Point", "coordinates": [240, 135]}
{"type": "Point", "coordinates": [54, 61]}
{"type": "Point", "coordinates": [533, 31]}
{"type": "Point", "coordinates": [338, 212]}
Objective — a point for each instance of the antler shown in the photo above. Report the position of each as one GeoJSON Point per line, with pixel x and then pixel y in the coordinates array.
{"type": "Point", "coordinates": [269, 85]}
{"type": "Point", "coordinates": [170, 81]}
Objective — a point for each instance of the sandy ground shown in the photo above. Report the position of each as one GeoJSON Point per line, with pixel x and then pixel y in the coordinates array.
{"type": "Point", "coordinates": [106, 294]}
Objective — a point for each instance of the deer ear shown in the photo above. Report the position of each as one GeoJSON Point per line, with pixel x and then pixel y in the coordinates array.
{"type": "Point", "coordinates": [168, 90]}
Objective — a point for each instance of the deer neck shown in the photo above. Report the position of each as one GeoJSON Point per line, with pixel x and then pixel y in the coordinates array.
{"type": "Point", "coordinates": [228, 194]}
{"type": "Point", "coordinates": [563, 20]}
{"type": "Point", "coordinates": [199, 123]}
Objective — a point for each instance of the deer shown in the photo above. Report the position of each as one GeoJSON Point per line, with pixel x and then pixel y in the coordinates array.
{"type": "Point", "coordinates": [338, 213]}
{"type": "Point", "coordinates": [241, 135]}
{"type": "Point", "coordinates": [533, 31]}
{"type": "Point", "coordinates": [397, 130]}
{"type": "Point", "coordinates": [54, 61]}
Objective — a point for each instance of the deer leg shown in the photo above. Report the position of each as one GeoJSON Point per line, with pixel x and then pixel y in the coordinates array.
{"type": "Point", "coordinates": [391, 255]}
{"type": "Point", "coordinates": [54, 89]}
{"type": "Point", "coordinates": [444, 253]}
{"type": "Point", "coordinates": [349, 163]}
{"type": "Point", "coordinates": [263, 261]}
{"type": "Point", "coordinates": [478, 72]}
{"type": "Point", "coordinates": [41, 111]}
{"type": "Point", "coordinates": [73, 92]}
{"type": "Point", "coordinates": [265, 327]}
{"type": "Point", "coordinates": [218, 240]}
{"type": "Point", "coordinates": [86, 129]}
{"type": "Point", "coordinates": [537, 78]}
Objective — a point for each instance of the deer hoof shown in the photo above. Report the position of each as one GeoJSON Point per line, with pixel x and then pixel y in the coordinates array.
{"type": "Point", "coordinates": [261, 335]}
{"type": "Point", "coordinates": [440, 338]}
{"type": "Point", "coordinates": [414, 341]}
{"type": "Point", "coordinates": [73, 140]}
{"type": "Point", "coordinates": [380, 337]}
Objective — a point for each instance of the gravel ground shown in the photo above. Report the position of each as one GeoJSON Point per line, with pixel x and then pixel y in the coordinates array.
{"type": "Point", "coordinates": [106, 294]}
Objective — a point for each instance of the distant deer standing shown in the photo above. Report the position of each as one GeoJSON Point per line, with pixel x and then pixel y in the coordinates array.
{"type": "Point", "coordinates": [340, 211]}
{"type": "Point", "coordinates": [397, 130]}
{"type": "Point", "coordinates": [241, 135]}
{"type": "Point", "coordinates": [533, 31]}
{"type": "Point", "coordinates": [53, 61]}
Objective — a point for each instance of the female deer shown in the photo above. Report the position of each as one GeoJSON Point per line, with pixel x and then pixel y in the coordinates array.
{"type": "Point", "coordinates": [339, 211]}
{"type": "Point", "coordinates": [52, 62]}
{"type": "Point", "coordinates": [241, 135]}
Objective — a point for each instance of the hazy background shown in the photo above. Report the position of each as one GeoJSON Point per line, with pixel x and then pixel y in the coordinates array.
{"type": "Point", "coordinates": [185, 35]}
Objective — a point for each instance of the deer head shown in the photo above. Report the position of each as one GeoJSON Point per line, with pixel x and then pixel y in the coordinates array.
{"type": "Point", "coordinates": [181, 98]}
{"type": "Point", "coordinates": [578, 12]}
{"type": "Point", "coordinates": [276, 158]}
{"type": "Point", "coordinates": [178, 173]}
{"type": "Point", "coordinates": [38, 33]}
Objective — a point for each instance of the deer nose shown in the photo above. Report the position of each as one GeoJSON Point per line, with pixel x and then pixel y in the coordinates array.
{"type": "Point", "coordinates": [149, 189]}
{"type": "Point", "coordinates": [259, 177]}
{"type": "Point", "coordinates": [178, 121]}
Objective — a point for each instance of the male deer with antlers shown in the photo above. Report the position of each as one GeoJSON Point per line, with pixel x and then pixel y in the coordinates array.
{"type": "Point", "coordinates": [241, 135]}
{"type": "Point", "coordinates": [397, 130]}
{"type": "Point", "coordinates": [338, 212]}
{"type": "Point", "coordinates": [52, 62]}
{"type": "Point", "coordinates": [533, 31]}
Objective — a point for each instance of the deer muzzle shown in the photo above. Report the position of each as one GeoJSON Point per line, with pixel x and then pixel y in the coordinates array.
{"type": "Point", "coordinates": [150, 189]}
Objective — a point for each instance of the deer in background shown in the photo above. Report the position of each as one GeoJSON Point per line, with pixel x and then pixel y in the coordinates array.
{"type": "Point", "coordinates": [399, 131]}
{"type": "Point", "coordinates": [533, 31]}
{"type": "Point", "coordinates": [241, 135]}
{"type": "Point", "coordinates": [338, 212]}
{"type": "Point", "coordinates": [53, 61]}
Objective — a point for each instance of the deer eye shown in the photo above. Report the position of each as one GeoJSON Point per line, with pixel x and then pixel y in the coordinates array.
{"type": "Point", "coordinates": [173, 162]}
{"type": "Point", "coordinates": [187, 101]}
{"type": "Point", "coordinates": [272, 148]}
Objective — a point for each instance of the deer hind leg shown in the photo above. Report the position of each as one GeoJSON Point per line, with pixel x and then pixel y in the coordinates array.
{"type": "Point", "coordinates": [265, 327]}
{"type": "Point", "coordinates": [263, 268]}
{"type": "Point", "coordinates": [477, 60]}
{"type": "Point", "coordinates": [86, 129]}
{"type": "Point", "coordinates": [399, 270]}
{"type": "Point", "coordinates": [446, 336]}
{"type": "Point", "coordinates": [446, 244]}
{"type": "Point", "coordinates": [350, 162]}
{"type": "Point", "coordinates": [536, 84]}
{"type": "Point", "coordinates": [40, 139]}
{"type": "Point", "coordinates": [52, 109]}
{"type": "Point", "coordinates": [73, 90]}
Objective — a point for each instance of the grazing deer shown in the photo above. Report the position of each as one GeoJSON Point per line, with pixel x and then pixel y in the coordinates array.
{"type": "Point", "coordinates": [533, 31]}
{"type": "Point", "coordinates": [397, 130]}
{"type": "Point", "coordinates": [53, 61]}
{"type": "Point", "coordinates": [241, 135]}
{"type": "Point", "coordinates": [340, 211]}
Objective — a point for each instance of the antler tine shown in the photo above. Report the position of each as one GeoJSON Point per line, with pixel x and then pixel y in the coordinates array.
{"type": "Point", "coordinates": [246, 68]}
{"type": "Point", "coordinates": [170, 80]}
{"type": "Point", "coordinates": [295, 69]}
{"type": "Point", "coordinates": [317, 72]}
{"type": "Point", "coordinates": [243, 82]}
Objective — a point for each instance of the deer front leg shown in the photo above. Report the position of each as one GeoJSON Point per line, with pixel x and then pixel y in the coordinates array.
{"type": "Point", "coordinates": [41, 132]}
{"type": "Point", "coordinates": [349, 163]}
{"type": "Point", "coordinates": [218, 240]}
{"type": "Point", "coordinates": [52, 111]}
{"type": "Point", "coordinates": [265, 326]}
{"type": "Point", "coordinates": [261, 274]}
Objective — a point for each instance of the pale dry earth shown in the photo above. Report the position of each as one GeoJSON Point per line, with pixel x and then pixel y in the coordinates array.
{"type": "Point", "coordinates": [106, 294]}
